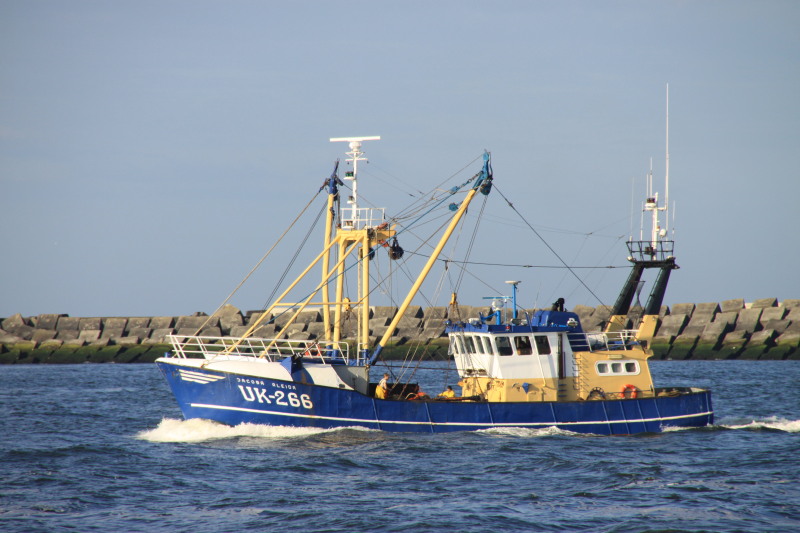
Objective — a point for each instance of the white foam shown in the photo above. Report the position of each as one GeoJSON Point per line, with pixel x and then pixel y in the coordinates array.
{"type": "Point", "coordinates": [772, 422]}
{"type": "Point", "coordinates": [528, 432]}
{"type": "Point", "coordinates": [199, 430]}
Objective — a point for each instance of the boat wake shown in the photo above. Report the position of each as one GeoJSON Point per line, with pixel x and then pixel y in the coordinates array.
{"type": "Point", "coordinates": [530, 432]}
{"type": "Point", "coordinates": [770, 423]}
{"type": "Point", "coordinates": [200, 430]}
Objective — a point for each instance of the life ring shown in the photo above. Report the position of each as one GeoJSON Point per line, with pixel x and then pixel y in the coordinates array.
{"type": "Point", "coordinates": [313, 351]}
{"type": "Point", "coordinates": [633, 390]}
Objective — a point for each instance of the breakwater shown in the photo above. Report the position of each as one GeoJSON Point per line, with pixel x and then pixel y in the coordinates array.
{"type": "Point", "coordinates": [732, 329]}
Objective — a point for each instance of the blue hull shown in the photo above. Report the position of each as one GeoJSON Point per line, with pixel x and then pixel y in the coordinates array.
{"type": "Point", "coordinates": [234, 399]}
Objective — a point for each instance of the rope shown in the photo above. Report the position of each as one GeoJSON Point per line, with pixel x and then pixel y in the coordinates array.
{"type": "Point", "coordinates": [547, 244]}
{"type": "Point", "coordinates": [258, 264]}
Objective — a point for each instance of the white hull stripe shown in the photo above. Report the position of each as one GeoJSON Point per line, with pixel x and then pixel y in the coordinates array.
{"type": "Point", "coordinates": [481, 424]}
{"type": "Point", "coordinates": [198, 377]}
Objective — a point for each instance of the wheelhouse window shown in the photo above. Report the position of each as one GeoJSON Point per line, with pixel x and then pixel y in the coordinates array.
{"type": "Point", "coordinates": [542, 344]}
{"type": "Point", "coordinates": [619, 368]}
{"type": "Point", "coordinates": [523, 345]}
{"type": "Point", "coordinates": [487, 345]}
{"type": "Point", "coordinates": [503, 345]}
{"type": "Point", "coordinates": [470, 342]}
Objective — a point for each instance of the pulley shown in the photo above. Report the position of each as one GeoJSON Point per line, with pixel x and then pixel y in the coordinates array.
{"type": "Point", "coordinates": [395, 250]}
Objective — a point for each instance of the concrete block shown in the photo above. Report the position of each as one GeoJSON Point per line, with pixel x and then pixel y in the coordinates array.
{"type": "Point", "coordinates": [728, 317]}
{"type": "Point", "coordinates": [705, 351]}
{"type": "Point", "coordinates": [672, 325]}
{"type": "Point", "coordinates": [265, 332]}
{"type": "Point", "coordinates": [90, 323]}
{"type": "Point", "coordinates": [790, 336]}
{"type": "Point", "coordinates": [737, 337]}
{"type": "Point", "coordinates": [714, 333]}
{"type": "Point", "coordinates": [24, 332]}
{"type": "Point", "coordinates": [778, 325]}
{"type": "Point", "coordinates": [159, 336]}
{"type": "Point", "coordinates": [783, 351]}
{"type": "Point", "coordinates": [89, 335]}
{"type": "Point", "coordinates": [316, 328]}
{"type": "Point", "coordinates": [42, 335]}
{"type": "Point", "coordinates": [115, 322]}
{"type": "Point", "coordinates": [112, 333]}
{"type": "Point", "coordinates": [433, 332]}
{"type": "Point", "coordinates": [435, 313]}
{"type": "Point", "coordinates": [693, 330]}
{"type": "Point", "coordinates": [682, 309]}
{"type": "Point", "coordinates": [161, 322]}
{"type": "Point", "coordinates": [729, 306]}
{"type": "Point", "coordinates": [15, 321]}
{"type": "Point", "coordinates": [752, 353]}
{"type": "Point", "coordinates": [759, 343]}
{"type": "Point", "coordinates": [138, 322]}
{"type": "Point", "coordinates": [378, 322]}
{"type": "Point", "coordinates": [196, 322]}
{"type": "Point", "coordinates": [227, 322]}
{"type": "Point", "coordinates": [602, 312]}
{"type": "Point", "coordinates": [414, 311]}
{"type": "Point", "coordinates": [704, 313]}
{"type": "Point", "coordinates": [126, 341]}
{"type": "Point", "coordinates": [211, 332]}
{"type": "Point", "coordinates": [141, 333]}
{"type": "Point", "coordinates": [238, 331]}
{"type": "Point", "coordinates": [252, 315]}
{"type": "Point", "coordinates": [748, 319]}
{"type": "Point", "coordinates": [765, 302]}
{"type": "Point", "coordinates": [773, 313]}
{"type": "Point", "coordinates": [384, 312]}
{"type": "Point", "coordinates": [76, 343]}
{"type": "Point", "coordinates": [68, 322]}
{"type": "Point", "coordinates": [683, 346]}
{"type": "Point", "coordinates": [101, 342]}
{"type": "Point", "coordinates": [48, 321]}
{"type": "Point", "coordinates": [9, 338]}
{"type": "Point", "coordinates": [229, 310]}
{"type": "Point", "coordinates": [410, 323]}
{"type": "Point", "coordinates": [68, 334]}
{"type": "Point", "coordinates": [792, 316]}
{"type": "Point", "coordinates": [307, 317]}
{"type": "Point", "coordinates": [583, 312]}
{"type": "Point", "coordinates": [791, 304]}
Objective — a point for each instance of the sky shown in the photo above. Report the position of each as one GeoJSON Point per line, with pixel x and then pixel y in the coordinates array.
{"type": "Point", "coordinates": [152, 152]}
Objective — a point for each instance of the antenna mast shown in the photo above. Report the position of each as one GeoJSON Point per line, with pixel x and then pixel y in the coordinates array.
{"type": "Point", "coordinates": [356, 155]}
{"type": "Point", "coordinates": [666, 186]}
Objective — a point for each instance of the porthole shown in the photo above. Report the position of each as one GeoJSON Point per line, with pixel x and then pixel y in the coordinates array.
{"type": "Point", "coordinates": [617, 368]}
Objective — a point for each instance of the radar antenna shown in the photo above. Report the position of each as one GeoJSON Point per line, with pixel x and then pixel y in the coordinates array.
{"type": "Point", "coordinates": [356, 155]}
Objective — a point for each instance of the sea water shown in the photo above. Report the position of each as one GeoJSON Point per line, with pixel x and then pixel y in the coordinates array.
{"type": "Point", "coordinates": [104, 448]}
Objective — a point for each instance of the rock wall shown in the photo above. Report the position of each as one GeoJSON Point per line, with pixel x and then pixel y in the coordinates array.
{"type": "Point", "coordinates": [764, 329]}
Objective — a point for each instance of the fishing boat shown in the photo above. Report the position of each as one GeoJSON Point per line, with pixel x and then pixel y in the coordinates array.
{"type": "Point", "coordinates": [519, 369]}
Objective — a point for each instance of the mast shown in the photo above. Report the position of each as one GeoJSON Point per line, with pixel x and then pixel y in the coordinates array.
{"type": "Point", "coordinates": [655, 252]}
{"type": "Point", "coordinates": [482, 184]}
{"type": "Point", "coordinates": [360, 230]}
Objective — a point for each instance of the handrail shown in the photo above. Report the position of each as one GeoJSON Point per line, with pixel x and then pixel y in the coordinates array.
{"type": "Point", "coordinates": [236, 348]}
{"type": "Point", "coordinates": [610, 341]}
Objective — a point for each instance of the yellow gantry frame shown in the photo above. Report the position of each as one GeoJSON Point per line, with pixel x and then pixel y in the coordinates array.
{"type": "Point", "coordinates": [345, 242]}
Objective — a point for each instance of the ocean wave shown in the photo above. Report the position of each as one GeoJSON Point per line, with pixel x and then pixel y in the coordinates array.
{"type": "Point", "coordinates": [200, 430]}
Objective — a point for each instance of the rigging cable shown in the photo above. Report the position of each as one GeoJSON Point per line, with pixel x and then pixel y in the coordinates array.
{"type": "Point", "coordinates": [548, 245]}
{"type": "Point", "coordinates": [258, 264]}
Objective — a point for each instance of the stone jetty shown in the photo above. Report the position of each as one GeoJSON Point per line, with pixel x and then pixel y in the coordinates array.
{"type": "Point", "coordinates": [733, 329]}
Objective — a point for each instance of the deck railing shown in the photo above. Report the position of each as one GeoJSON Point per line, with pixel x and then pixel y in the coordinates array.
{"type": "Point", "coordinates": [234, 348]}
{"type": "Point", "coordinates": [593, 342]}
